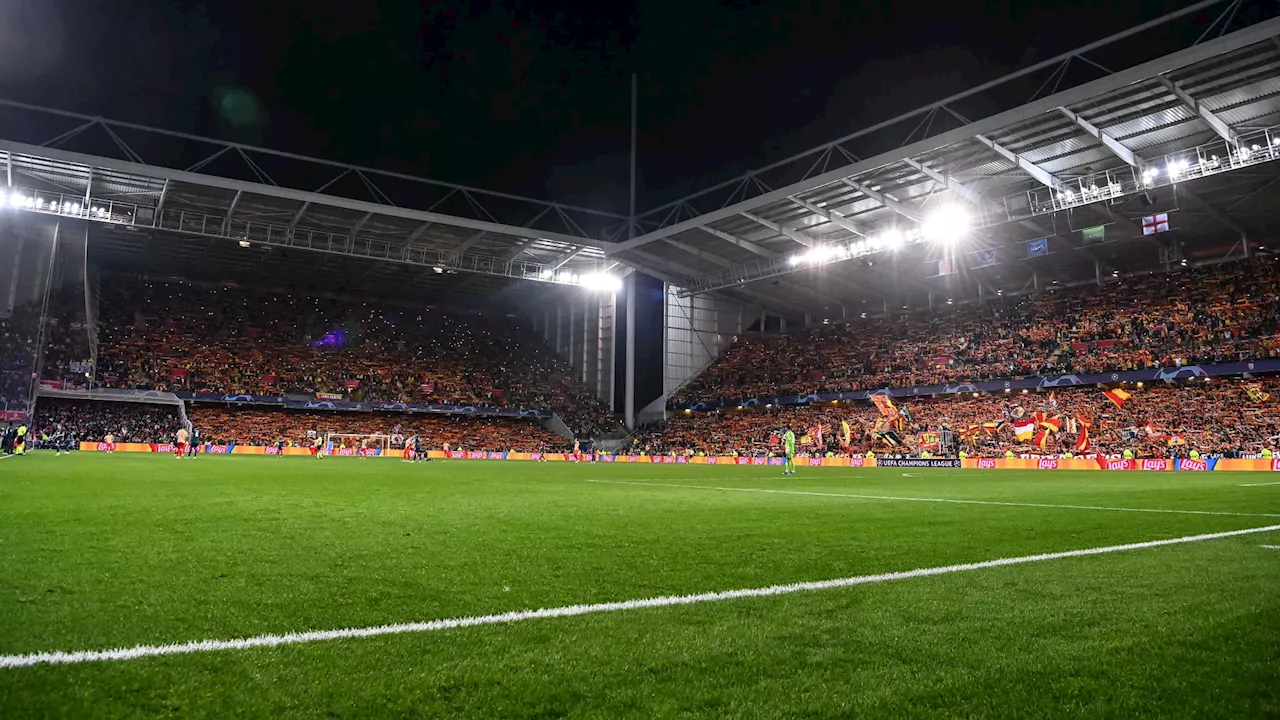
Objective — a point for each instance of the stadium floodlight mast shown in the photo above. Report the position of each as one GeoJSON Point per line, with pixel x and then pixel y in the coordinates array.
{"type": "Point", "coordinates": [947, 225]}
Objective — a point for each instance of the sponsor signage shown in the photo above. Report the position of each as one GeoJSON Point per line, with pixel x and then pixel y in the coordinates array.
{"type": "Point", "coordinates": [918, 462]}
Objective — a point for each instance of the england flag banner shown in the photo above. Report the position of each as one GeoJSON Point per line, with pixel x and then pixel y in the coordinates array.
{"type": "Point", "coordinates": [1153, 224]}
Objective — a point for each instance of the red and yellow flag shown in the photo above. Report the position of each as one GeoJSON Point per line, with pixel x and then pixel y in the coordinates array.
{"type": "Point", "coordinates": [1042, 439]}
{"type": "Point", "coordinates": [1117, 396]}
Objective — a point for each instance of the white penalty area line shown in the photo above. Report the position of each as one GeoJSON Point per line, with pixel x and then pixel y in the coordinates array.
{"type": "Point", "coordinates": [265, 641]}
{"type": "Point", "coordinates": [1259, 484]}
{"type": "Point", "coordinates": [957, 501]}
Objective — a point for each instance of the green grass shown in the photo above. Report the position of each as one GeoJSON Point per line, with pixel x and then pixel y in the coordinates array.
{"type": "Point", "coordinates": [108, 551]}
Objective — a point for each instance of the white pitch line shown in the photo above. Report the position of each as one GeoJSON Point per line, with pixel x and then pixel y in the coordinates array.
{"type": "Point", "coordinates": [957, 501]}
{"type": "Point", "coordinates": [1270, 547]}
{"type": "Point", "coordinates": [1258, 484]}
{"type": "Point", "coordinates": [261, 641]}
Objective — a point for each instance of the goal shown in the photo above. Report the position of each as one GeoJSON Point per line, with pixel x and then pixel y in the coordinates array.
{"type": "Point", "coordinates": [350, 444]}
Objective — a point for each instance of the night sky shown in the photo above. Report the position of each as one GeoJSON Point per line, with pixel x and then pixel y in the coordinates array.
{"type": "Point", "coordinates": [532, 97]}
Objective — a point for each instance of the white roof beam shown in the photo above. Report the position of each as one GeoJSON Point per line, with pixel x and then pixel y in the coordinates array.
{"type": "Point", "coordinates": [1115, 146]}
{"type": "Point", "coordinates": [744, 244]}
{"type": "Point", "coordinates": [948, 182]}
{"type": "Point", "coordinates": [565, 258]}
{"type": "Point", "coordinates": [830, 216]}
{"type": "Point", "coordinates": [164, 190]}
{"type": "Point", "coordinates": [226, 220]}
{"type": "Point", "coordinates": [1041, 175]}
{"type": "Point", "coordinates": [355, 229]}
{"type": "Point", "coordinates": [798, 237]}
{"type": "Point", "coordinates": [418, 232]}
{"type": "Point", "coordinates": [293, 221]}
{"type": "Point", "coordinates": [884, 199]}
{"type": "Point", "coordinates": [1216, 123]}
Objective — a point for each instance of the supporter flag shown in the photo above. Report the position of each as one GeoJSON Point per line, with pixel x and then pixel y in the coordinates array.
{"type": "Point", "coordinates": [1053, 400]}
{"type": "Point", "coordinates": [885, 405]}
{"type": "Point", "coordinates": [846, 434]}
{"type": "Point", "coordinates": [994, 427]}
{"type": "Point", "coordinates": [985, 258]}
{"type": "Point", "coordinates": [1042, 439]}
{"type": "Point", "coordinates": [1038, 247]}
{"type": "Point", "coordinates": [1117, 396]}
{"type": "Point", "coordinates": [1053, 424]}
{"type": "Point", "coordinates": [1082, 440]}
{"type": "Point", "coordinates": [816, 433]}
{"type": "Point", "coordinates": [1256, 394]}
{"type": "Point", "coordinates": [946, 266]}
{"type": "Point", "coordinates": [1093, 235]}
{"type": "Point", "coordinates": [1177, 440]}
{"type": "Point", "coordinates": [1153, 224]}
{"type": "Point", "coordinates": [890, 438]}
{"type": "Point", "coordinates": [1024, 430]}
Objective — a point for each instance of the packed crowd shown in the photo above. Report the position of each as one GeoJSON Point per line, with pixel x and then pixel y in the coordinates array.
{"type": "Point", "coordinates": [229, 340]}
{"type": "Point", "coordinates": [1203, 315]}
{"type": "Point", "coordinates": [93, 421]}
{"type": "Point", "coordinates": [1219, 416]}
{"type": "Point", "coordinates": [18, 339]}
{"type": "Point", "coordinates": [240, 426]}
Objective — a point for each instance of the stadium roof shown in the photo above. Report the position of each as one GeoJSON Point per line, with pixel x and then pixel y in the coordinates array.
{"type": "Point", "coordinates": [806, 235]}
{"type": "Point", "coordinates": [812, 230]}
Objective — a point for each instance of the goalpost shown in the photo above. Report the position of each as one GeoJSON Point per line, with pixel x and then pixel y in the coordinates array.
{"type": "Point", "coordinates": [335, 443]}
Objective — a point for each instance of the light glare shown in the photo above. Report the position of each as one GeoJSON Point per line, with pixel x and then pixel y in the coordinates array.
{"type": "Point", "coordinates": [947, 224]}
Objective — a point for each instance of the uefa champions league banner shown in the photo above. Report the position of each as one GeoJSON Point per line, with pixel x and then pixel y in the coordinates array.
{"type": "Point", "coordinates": [917, 462]}
{"type": "Point", "coordinates": [341, 405]}
{"type": "Point", "coordinates": [1030, 383]}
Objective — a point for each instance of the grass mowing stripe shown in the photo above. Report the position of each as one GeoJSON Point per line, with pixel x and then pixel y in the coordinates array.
{"type": "Point", "coordinates": [142, 651]}
{"type": "Point", "coordinates": [935, 500]}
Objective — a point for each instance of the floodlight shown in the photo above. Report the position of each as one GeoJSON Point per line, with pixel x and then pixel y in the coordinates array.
{"type": "Point", "coordinates": [16, 200]}
{"type": "Point", "coordinates": [601, 282]}
{"type": "Point", "coordinates": [947, 224]}
{"type": "Point", "coordinates": [892, 239]}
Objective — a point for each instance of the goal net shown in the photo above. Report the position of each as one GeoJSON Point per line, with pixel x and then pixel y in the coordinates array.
{"type": "Point", "coordinates": [353, 444]}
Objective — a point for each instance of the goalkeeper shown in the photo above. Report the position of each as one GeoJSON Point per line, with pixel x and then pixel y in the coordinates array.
{"type": "Point", "coordinates": [789, 451]}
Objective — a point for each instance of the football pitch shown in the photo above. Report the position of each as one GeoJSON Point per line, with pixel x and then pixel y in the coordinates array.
{"type": "Point", "coordinates": [841, 592]}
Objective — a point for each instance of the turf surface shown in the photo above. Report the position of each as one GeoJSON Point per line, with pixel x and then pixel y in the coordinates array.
{"type": "Point", "coordinates": [100, 552]}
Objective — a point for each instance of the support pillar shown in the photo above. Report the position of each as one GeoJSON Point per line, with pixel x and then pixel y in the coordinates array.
{"type": "Point", "coordinates": [630, 400]}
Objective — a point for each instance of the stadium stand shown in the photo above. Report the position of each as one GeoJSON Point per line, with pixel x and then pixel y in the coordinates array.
{"type": "Point", "coordinates": [1212, 314]}
{"type": "Point", "coordinates": [236, 426]}
{"type": "Point", "coordinates": [1218, 417]}
{"type": "Point", "coordinates": [92, 421]}
{"type": "Point", "coordinates": [229, 340]}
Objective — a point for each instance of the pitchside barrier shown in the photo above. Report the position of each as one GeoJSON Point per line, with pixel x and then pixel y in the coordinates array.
{"type": "Point", "coordinates": [1162, 464]}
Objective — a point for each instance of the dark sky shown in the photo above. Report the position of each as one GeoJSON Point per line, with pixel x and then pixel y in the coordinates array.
{"type": "Point", "coordinates": [532, 97]}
